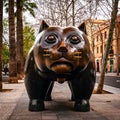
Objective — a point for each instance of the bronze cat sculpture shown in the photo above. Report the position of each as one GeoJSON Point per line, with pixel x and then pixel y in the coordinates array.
{"type": "Point", "coordinates": [60, 54]}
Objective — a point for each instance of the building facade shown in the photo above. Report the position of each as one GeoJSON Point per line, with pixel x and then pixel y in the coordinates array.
{"type": "Point", "coordinates": [98, 31]}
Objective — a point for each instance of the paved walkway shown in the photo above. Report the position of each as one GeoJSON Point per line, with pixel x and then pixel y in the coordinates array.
{"type": "Point", "coordinates": [110, 88]}
{"type": "Point", "coordinates": [108, 74]}
{"type": "Point", "coordinates": [14, 105]}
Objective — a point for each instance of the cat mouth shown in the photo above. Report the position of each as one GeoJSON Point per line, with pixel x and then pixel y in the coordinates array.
{"type": "Point", "coordinates": [62, 63]}
{"type": "Point", "coordinates": [62, 67]}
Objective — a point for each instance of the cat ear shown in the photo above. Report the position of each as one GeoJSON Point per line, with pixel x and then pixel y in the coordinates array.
{"type": "Point", "coordinates": [82, 27]}
{"type": "Point", "coordinates": [43, 26]}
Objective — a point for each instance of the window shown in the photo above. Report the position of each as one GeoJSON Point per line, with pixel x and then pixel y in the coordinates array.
{"type": "Point", "coordinates": [97, 49]}
{"type": "Point", "coordinates": [101, 49]}
{"type": "Point", "coordinates": [97, 38]}
{"type": "Point", "coordinates": [105, 47]}
{"type": "Point", "coordinates": [105, 34]}
{"type": "Point", "coordinates": [101, 37]}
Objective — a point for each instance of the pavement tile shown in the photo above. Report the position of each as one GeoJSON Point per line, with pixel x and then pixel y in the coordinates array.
{"type": "Point", "coordinates": [9, 98]}
{"type": "Point", "coordinates": [112, 115]}
{"type": "Point", "coordinates": [25, 118]}
{"type": "Point", "coordinates": [6, 110]}
{"type": "Point", "coordinates": [14, 106]}
{"type": "Point", "coordinates": [49, 117]}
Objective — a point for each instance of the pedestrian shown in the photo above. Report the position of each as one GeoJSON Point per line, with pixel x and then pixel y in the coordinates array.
{"type": "Point", "coordinates": [5, 70]}
{"type": "Point", "coordinates": [106, 70]}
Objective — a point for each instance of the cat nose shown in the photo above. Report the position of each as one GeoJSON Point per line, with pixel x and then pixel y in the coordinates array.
{"type": "Point", "coordinates": [62, 47]}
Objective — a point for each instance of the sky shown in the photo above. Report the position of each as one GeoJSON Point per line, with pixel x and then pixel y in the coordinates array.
{"type": "Point", "coordinates": [100, 13]}
{"type": "Point", "coordinates": [36, 21]}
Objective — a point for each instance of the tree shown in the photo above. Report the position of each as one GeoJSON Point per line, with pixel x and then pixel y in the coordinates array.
{"type": "Point", "coordinates": [12, 45]}
{"type": "Point", "coordinates": [19, 28]}
{"type": "Point", "coordinates": [117, 34]}
{"type": "Point", "coordinates": [62, 12]}
{"type": "Point", "coordinates": [67, 12]}
{"type": "Point", "coordinates": [29, 38]}
{"type": "Point", "coordinates": [73, 12]}
{"type": "Point", "coordinates": [22, 5]}
{"type": "Point", "coordinates": [109, 41]}
{"type": "Point", "coordinates": [1, 32]}
{"type": "Point", "coordinates": [5, 43]}
{"type": "Point", "coordinates": [5, 53]}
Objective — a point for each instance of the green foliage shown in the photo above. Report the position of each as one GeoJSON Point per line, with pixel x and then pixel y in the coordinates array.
{"type": "Point", "coordinates": [27, 6]}
{"type": "Point", "coordinates": [5, 24]}
{"type": "Point", "coordinates": [6, 5]}
{"type": "Point", "coordinates": [5, 53]}
{"type": "Point", "coordinates": [28, 38]}
{"type": "Point", "coordinates": [28, 32]}
{"type": "Point", "coordinates": [5, 48]}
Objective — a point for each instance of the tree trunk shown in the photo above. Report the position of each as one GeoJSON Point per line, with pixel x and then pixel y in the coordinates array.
{"type": "Point", "coordinates": [73, 12]}
{"type": "Point", "coordinates": [117, 34]}
{"type": "Point", "coordinates": [1, 32]}
{"type": "Point", "coordinates": [20, 58]}
{"type": "Point", "coordinates": [109, 41]}
{"type": "Point", "coordinates": [12, 46]}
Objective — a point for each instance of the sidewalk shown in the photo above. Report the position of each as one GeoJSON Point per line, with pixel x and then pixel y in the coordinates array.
{"type": "Point", "coordinates": [108, 74]}
{"type": "Point", "coordinates": [9, 98]}
{"type": "Point", "coordinates": [14, 105]}
{"type": "Point", "coordinates": [110, 88]}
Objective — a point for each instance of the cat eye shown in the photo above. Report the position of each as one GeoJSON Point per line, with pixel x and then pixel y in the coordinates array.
{"type": "Point", "coordinates": [75, 39]}
{"type": "Point", "coordinates": [51, 39]}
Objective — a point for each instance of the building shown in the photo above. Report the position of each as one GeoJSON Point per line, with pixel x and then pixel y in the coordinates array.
{"type": "Point", "coordinates": [98, 31]}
